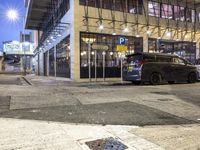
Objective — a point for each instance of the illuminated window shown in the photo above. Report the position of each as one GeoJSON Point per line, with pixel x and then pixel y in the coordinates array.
{"type": "Point", "coordinates": [112, 56]}
{"type": "Point", "coordinates": [188, 15]}
{"type": "Point", "coordinates": [179, 13]}
{"type": "Point", "coordinates": [129, 6]}
{"type": "Point", "coordinates": [154, 9]}
{"type": "Point", "coordinates": [135, 6]}
{"type": "Point", "coordinates": [167, 11]}
{"type": "Point", "coordinates": [193, 16]}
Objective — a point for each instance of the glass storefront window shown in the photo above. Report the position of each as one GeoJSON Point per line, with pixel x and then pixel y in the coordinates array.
{"type": "Point", "coordinates": [152, 44]}
{"type": "Point", "coordinates": [184, 49]}
{"type": "Point", "coordinates": [63, 58]}
{"type": "Point", "coordinates": [112, 56]}
{"type": "Point", "coordinates": [51, 62]}
{"type": "Point", "coordinates": [63, 55]}
{"type": "Point", "coordinates": [154, 9]}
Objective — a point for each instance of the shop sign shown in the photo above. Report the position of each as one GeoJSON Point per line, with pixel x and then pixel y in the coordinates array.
{"type": "Point", "coordinates": [122, 48]}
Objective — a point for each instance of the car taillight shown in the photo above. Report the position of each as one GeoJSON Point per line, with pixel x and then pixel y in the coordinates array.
{"type": "Point", "coordinates": [141, 62]}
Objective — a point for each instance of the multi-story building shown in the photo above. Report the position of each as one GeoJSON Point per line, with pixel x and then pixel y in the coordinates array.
{"type": "Point", "coordinates": [18, 55]}
{"type": "Point", "coordinates": [78, 39]}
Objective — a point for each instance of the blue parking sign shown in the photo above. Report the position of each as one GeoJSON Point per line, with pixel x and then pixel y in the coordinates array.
{"type": "Point", "coordinates": [122, 41]}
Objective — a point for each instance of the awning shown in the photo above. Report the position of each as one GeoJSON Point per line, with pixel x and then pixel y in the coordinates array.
{"type": "Point", "coordinates": [37, 11]}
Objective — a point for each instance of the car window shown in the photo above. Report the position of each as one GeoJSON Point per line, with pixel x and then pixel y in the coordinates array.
{"type": "Point", "coordinates": [164, 59]}
{"type": "Point", "coordinates": [149, 58]}
{"type": "Point", "coordinates": [179, 61]}
{"type": "Point", "coordinates": [134, 59]}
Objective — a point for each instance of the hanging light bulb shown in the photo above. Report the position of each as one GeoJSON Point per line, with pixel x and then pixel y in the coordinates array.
{"type": "Point", "coordinates": [114, 33]}
{"type": "Point", "coordinates": [168, 33]}
{"type": "Point", "coordinates": [137, 35]}
{"type": "Point", "coordinates": [58, 33]}
{"type": "Point", "coordinates": [101, 27]}
{"type": "Point", "coordinates": [126, 30]}
{"type": "Point", "coordinates": [148, 32]}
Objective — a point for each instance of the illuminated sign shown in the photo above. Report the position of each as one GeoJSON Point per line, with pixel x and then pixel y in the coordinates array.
{"type": "Point", "coordinates": [15, 47]}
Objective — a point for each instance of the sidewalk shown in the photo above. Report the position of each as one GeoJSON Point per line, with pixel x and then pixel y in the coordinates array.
{"type": "Point", "coordinates": [34, 80]}
{"type": "Point", "coordinates": [34, 135]}
{"type": "Point", "coordinates": [63, 115]}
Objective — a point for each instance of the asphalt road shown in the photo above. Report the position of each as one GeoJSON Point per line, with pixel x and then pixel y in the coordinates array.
{"type": "Point", "coordinates": [51, 100]}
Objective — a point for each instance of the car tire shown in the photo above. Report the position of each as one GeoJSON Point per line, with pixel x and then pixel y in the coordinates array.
{"type": "Point", "coordinates": [155, 79]}
{"type": "Point", "coordinates": [171, 82]}
{"type": "Point", "coordinates": [192, 78]}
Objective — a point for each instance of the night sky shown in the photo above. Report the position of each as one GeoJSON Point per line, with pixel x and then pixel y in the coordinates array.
{"type": "Point", "coordinates": [11, 30]}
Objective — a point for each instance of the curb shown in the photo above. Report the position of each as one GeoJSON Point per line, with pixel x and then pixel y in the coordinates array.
{"type": "Point", "coordinates": [27, 81]}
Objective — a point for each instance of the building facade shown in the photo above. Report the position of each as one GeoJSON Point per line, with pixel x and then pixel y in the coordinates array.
{"type": "Point", "coordinates": [18, 55]}
{"type": "Point", "coordinates": [67, 30]}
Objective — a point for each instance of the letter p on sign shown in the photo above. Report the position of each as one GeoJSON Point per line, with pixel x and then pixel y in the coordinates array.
{"type": "Point", "coordinates": [122, 41]}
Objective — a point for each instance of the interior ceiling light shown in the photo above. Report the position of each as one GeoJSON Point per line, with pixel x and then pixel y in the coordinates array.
{"type": "Point", "coordinates": [168, 33]}
{"type": "Point", "coordinates": [148, 32]}
{"type": "Point", "coordinates": [59, 35]}
{"type": "Point", "coordinates": [137, 35]}
{"type": "Point", "coordinates": [101, 27]}
{"type": "Point", "coordinates": [114, 33]}
{"type": "Point", "coordinates": [126, 30]}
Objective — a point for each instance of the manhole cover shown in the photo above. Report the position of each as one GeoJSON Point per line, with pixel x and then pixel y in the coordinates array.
{"type": "Point", "coordinates": [165, 99]}
{"type": "Point", "coordinates": [106, 144]}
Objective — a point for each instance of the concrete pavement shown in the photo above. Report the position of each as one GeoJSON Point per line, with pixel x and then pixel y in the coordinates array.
{"type": "Point", "coordinates": [56, 113]}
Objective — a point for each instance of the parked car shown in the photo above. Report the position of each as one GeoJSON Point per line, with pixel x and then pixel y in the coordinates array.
{"type": "Point", "coordinates": [158, 67]}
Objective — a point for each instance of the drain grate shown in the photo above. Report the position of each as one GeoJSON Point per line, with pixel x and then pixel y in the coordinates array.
{"type": "Point", "coordinates": [106, 144]}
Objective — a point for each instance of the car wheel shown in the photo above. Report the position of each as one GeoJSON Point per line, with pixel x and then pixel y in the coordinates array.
{"type": "Point", "coordinates": [192, 78]}
{"type": "Point", "coordinates": [171, 82]}
{"type": "Point", "coordinates": [155, 79]}
{"type": "Point", "coordinates": [136, 82]}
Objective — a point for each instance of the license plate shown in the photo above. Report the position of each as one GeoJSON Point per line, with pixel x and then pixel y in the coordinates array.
{"type": "Point", "coordinates": [130, 68]}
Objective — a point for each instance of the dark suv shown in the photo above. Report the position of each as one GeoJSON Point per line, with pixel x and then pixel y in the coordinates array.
{"type": "Point", "coordinates": [158, 67]}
